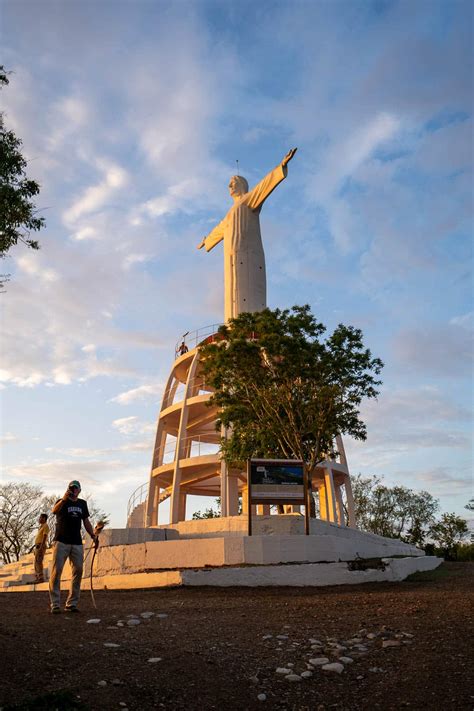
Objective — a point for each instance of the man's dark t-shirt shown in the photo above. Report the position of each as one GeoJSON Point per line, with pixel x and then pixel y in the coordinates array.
{"type": "Point", "coordinates": [69, 520]}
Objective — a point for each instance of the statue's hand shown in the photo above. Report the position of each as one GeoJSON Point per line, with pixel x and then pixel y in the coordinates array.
{"type": "Point", "coordinates": [288, 156]}
{"type": "Point", "coordinates": [202, 243]}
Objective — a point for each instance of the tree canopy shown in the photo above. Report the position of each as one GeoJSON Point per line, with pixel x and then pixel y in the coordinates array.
{"type": "Point", "coordinates": [283, 390]}
{"type": "Point", "coordinates": [394, 512]}
{"type": "Point", "coordinates": [18, 215]}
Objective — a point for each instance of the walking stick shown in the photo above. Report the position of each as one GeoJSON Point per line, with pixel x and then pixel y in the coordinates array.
{"type": "Point", "coordinates": [97, 531]}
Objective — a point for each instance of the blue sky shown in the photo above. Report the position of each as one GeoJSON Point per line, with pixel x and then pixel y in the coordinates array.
{"type": "Point", "coordinates": [132, 116]}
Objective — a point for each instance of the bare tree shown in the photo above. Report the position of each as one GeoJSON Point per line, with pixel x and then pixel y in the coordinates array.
{"type": "Point", "coordinates": [20, 506]}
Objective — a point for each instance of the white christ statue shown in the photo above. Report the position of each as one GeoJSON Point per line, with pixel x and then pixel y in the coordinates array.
{"type": "Point", "coordinates": [245, 283]}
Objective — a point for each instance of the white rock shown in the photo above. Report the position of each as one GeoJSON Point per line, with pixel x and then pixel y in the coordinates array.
{"type": "Point", "coordinates": [334, 667]}
{"type": "Point", "coordinates": [146, 615]}
{"type": "Point", "coordinates": [346, 660]}
{"type": "Point", "coordinates": [315, 641]}
{"type": "Point", "coordinates": [282, 670]}
{"type": "Point", "coordinates": [133, 622]}
{"type": "Point", "coordinates": [306, 674]}
{"type": "Point", "coordinates": [120, 624]}
{"type": "Point", "coordinates": [371, 635]}
{"type": "Point", "coordinates": [293, 677]}
{"type": "Point", "coordinates": [361, 648]}
{"type": "Point", "coordinates": [154, 660]}
{"type": "Point", "coordinates": [112, 645]}
{"type": "Point", "coordinates": [290, 665]}
{"type": "Point", "coordinates": [359, 677]}
{"type": "Point", "coordinates": [408, 635]}
{"type": "Point", "coordinates": [102, 683]}
{"type": "Point", "coordinates": [319, 661]}
{"type": "Point", "coordinates": [390, 643]}
{"type": "Point", "coordinates": [132, 615]}
{"type": "Point", "coordinates": [282, 636]}
{"type": "Point", "coordinates": [162, 615]}
{"type": "Point", "coordinates": [267, 636]}
{"type": "Point", "coordinates": [262, 697]}
{"type": "Point", "coordinates": [93, 621]}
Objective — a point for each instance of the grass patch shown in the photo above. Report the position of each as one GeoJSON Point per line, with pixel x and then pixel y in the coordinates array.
{"type": "Point", "coordinates": [53, 701]}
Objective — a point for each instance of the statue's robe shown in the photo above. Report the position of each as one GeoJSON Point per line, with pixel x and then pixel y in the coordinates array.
{"type": "Point", "coordinates": [245, 282]}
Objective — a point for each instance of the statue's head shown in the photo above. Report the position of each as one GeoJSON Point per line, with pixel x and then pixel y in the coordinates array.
{"type": "Point", "coordinates": [238, 186]}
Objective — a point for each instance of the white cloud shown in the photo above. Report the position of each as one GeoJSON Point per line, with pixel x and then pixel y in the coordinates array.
{"type": "Point", "coordinates": [441, 349]}
{"type": "Point", "coordinates": [126, 425]}
{"type": "Point", "coordinates": [140, 393]}
{"type": "Point", "coordinates": [96, 196]}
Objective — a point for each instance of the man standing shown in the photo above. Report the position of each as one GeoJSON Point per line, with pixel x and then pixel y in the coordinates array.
{"type": "Point", "coordinates": [41, 542]}
{"type": "Point", "coordinates": [70, 512]}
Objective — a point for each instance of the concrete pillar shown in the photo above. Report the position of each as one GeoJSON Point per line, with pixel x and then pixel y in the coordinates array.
{"type": "Point", "coordinates": [339, 507]}
{"type": "Point", "coordinates": [232, 495]}
{"type": "Point", "coordinates": [331, 497]}
{"type": "Point", "coordinates": [350, 502]}
{"type": "Point", "coordinates": [323, 502]}
{"type": "Point", "coordinates": [263, 510]}
{"type": "Point", "coordinates": [182, 506]}
{"type": "Point", "coordinates": [181, 443]}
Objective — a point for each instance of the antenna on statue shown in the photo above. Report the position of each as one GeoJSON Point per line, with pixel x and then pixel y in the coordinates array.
{"type": "Point", "coordinates": [237, 161]}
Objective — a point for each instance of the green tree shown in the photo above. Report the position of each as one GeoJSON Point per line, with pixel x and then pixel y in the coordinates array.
{"type": "Point", "coordinates": [394, 512]}
{"type": "Point", "coordinates": [283, 390]}
{"type": "Point", "coordinates": [18, 215]}
{"type": "Point", "coordinates": [448, 533]}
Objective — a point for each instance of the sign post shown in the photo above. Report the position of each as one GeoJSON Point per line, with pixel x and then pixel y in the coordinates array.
{"type": "Point", "coordinates": [277, 481]}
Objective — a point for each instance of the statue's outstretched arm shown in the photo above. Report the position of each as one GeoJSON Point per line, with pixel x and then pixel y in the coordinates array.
{"type": "Point", "coordinates": [213, 237]}
{"type": "Point", "coordinates": [288, 156]}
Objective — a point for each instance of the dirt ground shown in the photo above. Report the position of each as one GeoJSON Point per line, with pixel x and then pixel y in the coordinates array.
{"type": "Point", "coordinates": [219, 648]}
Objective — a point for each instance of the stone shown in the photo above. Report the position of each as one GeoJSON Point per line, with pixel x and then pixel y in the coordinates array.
{"type": "Point", "coordinates": [334, 667]}
{"type": "Point", "coordinates": [408, 635]}
{"type": "Point", "coordinates": [267, 636]}
{"type": "Point", "coordinates": [102, 683]}
{"type": "Point", "coordinates": [93, 621]}
{"type": "Point", "coordinates": [282, 670]}
{"type": "Point", "coordinates": [355, 640]}
{"type": "Point", "coordinates": [162, 615]}
{"type": "Point", "coordinates": [282, 636]}
{"type": "Point", "coordinates": [133, 622]}
{"type": "Point", "coordinates": [371, 635]}
{"type": "Point", "coordinates": [132, 615]}
{"type": "Point", "coordinates": [293, 677]}
{"type": "Point", "coordinates": [146, 615]}
{"type": "Point", "coordinates": [120, 624]}
{"type": "Point", "coordinates": [262, 697]}
{"type": "Point", "coordinates": [346, 660]}
{"type": "Point", "coordinates": [111, 645]}
{"type": "Point", "coordinates": [315, 641]}
{"type": "Point", "coordinates": [254, 679]}
{"type": "Point", "coordinates": [319, 661]}
{"type": "Point", "coordinates": [390, 643]}
{"type": "Point", "coordinates": [306, 674]}
{"type": "Point", "coordinates": [154, 660]}
{"type": "Point", "coordinates": [117, 682]}
{"type": "Point", "coordinates": [290, 665]}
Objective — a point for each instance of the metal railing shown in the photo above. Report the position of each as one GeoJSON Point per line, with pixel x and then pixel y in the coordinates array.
{"type": "Point", "coordinates": [137, 498]}
{"type": "Point", "coordinates": [197, 386]}
{"type": "Point", "coordinates": [194, 338]}
{"type": "Point", "coordinates": [194, 446]}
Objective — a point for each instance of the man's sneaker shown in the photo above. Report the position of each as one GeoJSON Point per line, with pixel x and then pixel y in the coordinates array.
{"type": "Point", "coordinates": [72, 609]}
{"type": "Point", "coordinates": [55, 611]}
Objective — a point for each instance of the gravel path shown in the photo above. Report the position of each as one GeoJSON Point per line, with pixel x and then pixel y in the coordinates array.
{"type": "Point", "coordinates": [376, 646]}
